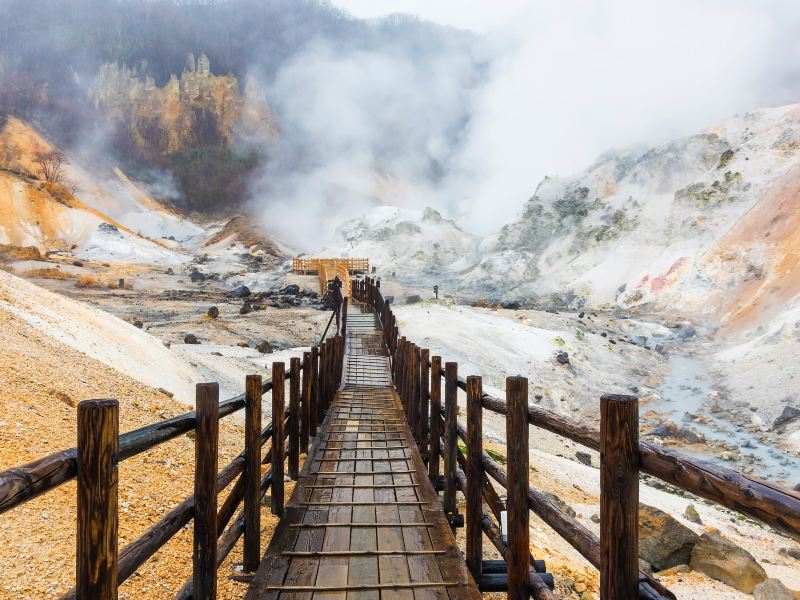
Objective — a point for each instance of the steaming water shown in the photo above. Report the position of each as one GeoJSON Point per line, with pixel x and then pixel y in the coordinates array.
{"type": "Point", "coordinates": [686, 390]}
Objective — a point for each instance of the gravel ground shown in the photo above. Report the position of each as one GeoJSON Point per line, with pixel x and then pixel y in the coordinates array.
{"type": "Point", "coordinates": [41, 380]}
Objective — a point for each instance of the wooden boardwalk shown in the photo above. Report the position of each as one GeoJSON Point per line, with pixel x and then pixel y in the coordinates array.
{"type": "Point", "coordinates": [364, 522]}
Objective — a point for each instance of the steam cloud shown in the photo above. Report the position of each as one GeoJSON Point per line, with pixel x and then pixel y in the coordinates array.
{"type": "Point", "coordinates": [473, 133]}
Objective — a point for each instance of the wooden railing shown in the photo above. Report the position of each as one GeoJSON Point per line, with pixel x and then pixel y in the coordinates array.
{"type": "Point", "coordinates": [100, 568]}
{"type": "Point", "coordinates": [306, 265]}
{"type": "Point", "coordinates": [418, 378]}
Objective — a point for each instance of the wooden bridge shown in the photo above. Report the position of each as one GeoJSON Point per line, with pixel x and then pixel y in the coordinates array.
{"type": "Point", "coordinates": [365, 519]}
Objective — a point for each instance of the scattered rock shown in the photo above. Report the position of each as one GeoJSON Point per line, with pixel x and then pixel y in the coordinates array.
{"type": "Point", "coordinates": [190, 339]}
{"type": "Point", "coordinates": [671, 430]}
{"type": "Point", "coordinates": [663, 541]}
{"type": "Point", "coordinates": [264, 347]}
{"type": "Point", "coordinates": [562, 358]}
{"type": "Point", "coordinates": [413, 299]}
{"type": "Point", "coordinates": [724, 561]}
{"type": "Point", "coordinates": [138, 324]}
{"type": "Point", "coordinates": [560, 504]}
{"type": "Point", "coordinates": [240, 292]}
{"type": "Point", "coordinates": [213, 312]}
{"type": "Point", "coordinates": [692, 515]}
{"type": "Point", "coordinates": [789, 414]}
{"type": "Point", "coordinates": [584, 457]}
{"type": "Point", "coordinates": [772, 589]}
{"type": "Point", "coordinates": [196, 276]}
{"type": "Point", "coordinates": [676, 570]}
{"type": "Point", "coordinates": [292, 289]}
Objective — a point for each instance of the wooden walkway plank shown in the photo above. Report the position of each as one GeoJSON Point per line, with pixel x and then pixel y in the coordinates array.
{"type": "Point", "coordinates": [363, 488]}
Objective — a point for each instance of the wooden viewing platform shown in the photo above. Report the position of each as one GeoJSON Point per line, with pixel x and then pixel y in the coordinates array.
{"type": "Point", "coordinates": [364, 517]}
{"type": "Point", "coordinates": [329, 269]}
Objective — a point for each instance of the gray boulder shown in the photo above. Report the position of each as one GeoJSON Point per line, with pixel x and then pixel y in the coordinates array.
{"type": "Point", "coordinates": [772, 589]}
{"type": "Point", "coordinates": [291, 289]}
{"type": "Point", "coordinates": [240, 292]}
{"type": "Point", "coordinates": [724, 561]}
{"type": "Point", "coordinates": [663, 541]}
{"type": "Point", "coordinates": [692, 514]}
{"type": "Point", "coordinates": [789, 414]}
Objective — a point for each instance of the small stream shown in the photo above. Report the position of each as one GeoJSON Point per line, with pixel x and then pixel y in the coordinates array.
{"type": "Point", "coordinates": [687, 389]}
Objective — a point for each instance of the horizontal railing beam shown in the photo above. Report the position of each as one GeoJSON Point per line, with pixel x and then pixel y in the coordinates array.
{"type": "Point", "coordinates": [775, 506]}
{"type": "Point", "coordinates": [20, 484]}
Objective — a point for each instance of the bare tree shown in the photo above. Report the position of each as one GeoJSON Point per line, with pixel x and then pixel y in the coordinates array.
{"type": "Point", "coordinates": [51, 165]}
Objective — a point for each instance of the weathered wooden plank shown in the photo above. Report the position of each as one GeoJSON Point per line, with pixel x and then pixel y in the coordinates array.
{"type": "Point", "coordinates": [619, 497]}
{"type": "Point", "coordinates": [252, 474]}
{"type": "Point", "coordinates": [97, 519]}
{"type": "Point", "coordinates": [204, 557]}
{"type": "Point", "coordinates": [450, 442]}
{"type": "Point", "coordinates": [278, 388]}
{"type": "Point", "coordinates": [474, 474]}
{"type": "Point", "coordinates": [518, 516]}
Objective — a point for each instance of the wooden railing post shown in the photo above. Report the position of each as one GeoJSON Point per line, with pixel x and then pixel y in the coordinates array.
{"type": "Point", "coordinates": [436, 409]}
{"type": "Point", "coordinates": [413, 391]}
{"type": "Point", "coordinates": [619, 497]}
{"type": "Point", "coordinates": [517, 556]}
{"type": "Point", "coordinates": [204, 557]}
{"type": "Point", "coordinates": [344, 315]}
{"type": "Point", "coordinates": [313, 397]}
{"type": "Point", "coordinates": [305, 413]}
{"type": "Point", "coordinates": [424, 397]}
{"type": "Point", "coordinates": [278, 385]}
{"type": "Point", "coordinates": [324, 380]}
{"type": "Point", "coordinates": [98, 449]}
{"type": "Point", "coordinates": [450, 439]}
{"type": "Point", "coordinates": [252, 473]}
{"type": "Point", "coordinates": [294, 418]}
{"type": "Point", "coordinates": [400, 373]}
{"type": "Point", "coordinates": [474, 475]}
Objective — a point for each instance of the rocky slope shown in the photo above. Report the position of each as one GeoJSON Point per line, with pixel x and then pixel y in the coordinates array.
{"type": "Point", "coordinates": [92, 211]}
{"type": "Point", "coordinates": [418, 246]}
{"type": "Point", "coordinates": [703, 226]}
{"type": "Point", "coordinates": [196, 108]}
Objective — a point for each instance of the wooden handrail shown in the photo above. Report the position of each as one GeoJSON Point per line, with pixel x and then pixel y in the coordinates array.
{"type": "Point", "coordinates": [20, 484]}
{"type": "Point", "coordinates": [771, 504]}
